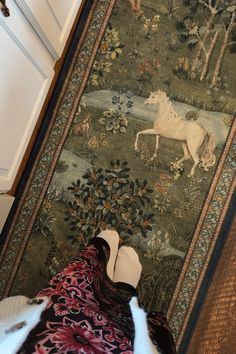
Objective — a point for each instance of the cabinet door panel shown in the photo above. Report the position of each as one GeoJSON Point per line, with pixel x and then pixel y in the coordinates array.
{"type": "Point", "coordinates": [52, 20]}
{"type": "Point", "coordinates": [65, 13]}
{"type": "Point", "coordinates": [26, 73]}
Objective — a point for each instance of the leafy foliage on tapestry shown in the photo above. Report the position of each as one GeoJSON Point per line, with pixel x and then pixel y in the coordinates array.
{"type": "Point", "coordinates": [109, 199]}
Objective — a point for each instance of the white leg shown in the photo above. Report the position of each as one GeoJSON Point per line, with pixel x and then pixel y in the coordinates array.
{"type": "Point", "coordinates": [186, 156]}
{"type": "Point", "coordinates": [144, 132]}
{"type": "Point", "coordinates": [194, 141]}
{"type": "Point", "coordinates": [157, 145]}
{"type": "Point", "coordinates": [193, 151]}
{"type": "Point", "coordinates": [112, 238]}
{"type": "Point", "coordinates": [128, 267]}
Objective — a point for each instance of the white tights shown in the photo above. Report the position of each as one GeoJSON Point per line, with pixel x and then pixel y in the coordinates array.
{"type": "Point", "coordinates": [123, 264]}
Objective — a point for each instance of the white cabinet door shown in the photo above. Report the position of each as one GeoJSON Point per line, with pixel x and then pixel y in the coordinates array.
{"type": "Point", "coordinates": [31, 40]}
{"type": "Point", "coordinates": [26, 74]}
{"type": "Point", "coordinates": [52, 20]}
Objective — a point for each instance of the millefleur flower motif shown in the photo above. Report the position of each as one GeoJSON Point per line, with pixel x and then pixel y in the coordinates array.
{"type": "Point", "coordinates": [129, 94]}
{"type": "Point", "coordinates": [165, 177]}
{"type": "Point", "coordinates": [151, 25]}
{"type": "Point", "coordinates": [114, 121]}
{"type": "Point", "coordinates": [158, 187]}
{"type": "Point", "coordinates": [108, 205]}
{"type": "Point", "coordinates": [129, 104]}
{"type": "Point", "coordinates": [126, 216]}
{"type": "Point", "coordinates": [135, 54]}
{"type": "Point", "coordinates": [102, 66]}
{"type": "Point", "coordinates": [115, 99]}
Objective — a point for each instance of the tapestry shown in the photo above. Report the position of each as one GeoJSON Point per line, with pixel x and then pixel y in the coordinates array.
{"type": "Point", "coordinates": [141, 140]}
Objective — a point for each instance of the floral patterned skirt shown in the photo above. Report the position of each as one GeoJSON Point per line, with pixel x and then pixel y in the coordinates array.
{"type": "Point", "coordinates": [87, 313]}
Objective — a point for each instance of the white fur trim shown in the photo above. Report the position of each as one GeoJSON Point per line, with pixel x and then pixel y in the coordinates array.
{"type": "Point", "coordinates": [16, 310]}
{"type": "Point", "coordinates": [142, 341]}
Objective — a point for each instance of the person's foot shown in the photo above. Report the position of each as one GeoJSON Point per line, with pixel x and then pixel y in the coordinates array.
{"type": "Point", "coordinates": [113, 239]}
{"type": "Point", "coordinates": [127, 268]}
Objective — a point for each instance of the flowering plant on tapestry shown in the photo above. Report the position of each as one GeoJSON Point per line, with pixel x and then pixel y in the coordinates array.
{"type": "Point", "coordinates": [115, 119]}
{"type": "Point", "coordinates": [109, 199]}
{"type": "Point", "coordinates": [110, 49]}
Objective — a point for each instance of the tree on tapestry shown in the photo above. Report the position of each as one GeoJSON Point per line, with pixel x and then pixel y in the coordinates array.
{"type": "Point", "coordinates": [215, 34]}
{"type": "Point", "coordinates": [169, 8]}
{"type": "Point", "coordinates": [228, 21]}
{"type": "Point", "coordinates": [110, 49]}
{"type": "Point", "coordinates": [109, 199]}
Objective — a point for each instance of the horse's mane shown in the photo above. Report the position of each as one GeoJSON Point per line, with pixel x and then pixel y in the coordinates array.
{"type": "Point", "coordinates": [167, 107]}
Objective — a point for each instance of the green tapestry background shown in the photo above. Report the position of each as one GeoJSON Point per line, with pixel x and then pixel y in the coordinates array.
{"type": "Point", "coordinates": [101, 181]}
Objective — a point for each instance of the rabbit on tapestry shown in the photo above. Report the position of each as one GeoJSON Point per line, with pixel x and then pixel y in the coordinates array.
{"type": "Point", "coordinates": [192, 135]}
{"type": "Point", "coordinates": [82, 128]}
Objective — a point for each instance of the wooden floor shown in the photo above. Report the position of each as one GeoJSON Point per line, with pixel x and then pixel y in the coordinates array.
{"type": "Point", "coordinates": [215, 331]}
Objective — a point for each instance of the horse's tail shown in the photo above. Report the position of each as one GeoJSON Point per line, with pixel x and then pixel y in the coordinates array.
{"type": "Point", "coordinates": [208, 157]}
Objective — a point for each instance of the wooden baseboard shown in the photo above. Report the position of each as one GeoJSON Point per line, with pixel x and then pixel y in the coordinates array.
{"type": "Point", "coordinates": [57, 69]}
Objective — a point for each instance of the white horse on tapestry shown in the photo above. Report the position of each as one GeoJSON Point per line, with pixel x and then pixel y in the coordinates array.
{"type": "Point", "coordinates": [192, 135]}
